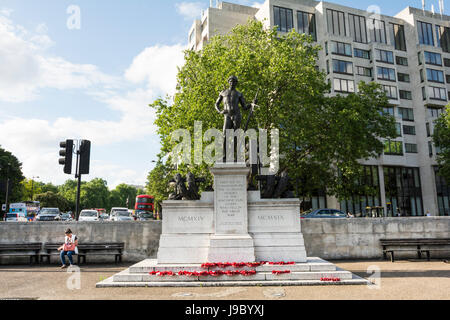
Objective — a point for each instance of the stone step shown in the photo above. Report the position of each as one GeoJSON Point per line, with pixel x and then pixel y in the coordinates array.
{"type": "Point", "coordinates": [313, 264]}
{"type": "Point", "coordinates": [126, 276]}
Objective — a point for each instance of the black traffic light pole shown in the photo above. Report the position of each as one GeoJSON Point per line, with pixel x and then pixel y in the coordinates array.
{"type": "Point", "coordinates": [83, 153]}
{"type": "Point", "coordinates": [78, 176]}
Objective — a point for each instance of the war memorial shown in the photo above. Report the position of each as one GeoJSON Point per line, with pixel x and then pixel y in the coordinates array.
{"type": "Point", "coordinates": [232, 236]}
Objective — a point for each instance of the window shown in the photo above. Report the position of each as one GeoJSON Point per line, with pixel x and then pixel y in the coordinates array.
{"type": "Point", "coordinates": [425, 31]}
{"type": "Point", "coordinates": [435, 75]}
{"type": "Point", "coordinates": [386, 74]}
{"type": "Point", "coordinates": [340, 66]}
{"type": "Point", "coordinates": [443, 38]}
{"type": "Point", "coordinates": [364, 54]}
{"type": "Point", "coordinates": [424, 93]}
{"type": "Point", "coordinates": [306, 23]}
{"type": "Point", "coordinates": [428, 129]}
{"type": "Point", "coordinates": [343, 85]}
{"type": "Point", "coordinates": [388, 111]}
{"type": "Point", "coordinates": [401, 61]}
{"type": "Point", "coordinates": [398, 127]}
{"type": "Point", "coordinates": [422, 78]}
{"type": "Point", "coordinates": [358, 28]}
{"type": "Point", "coordinates": [391, 92]}
{"type": "Point", "coordinates": [437, 93]}
{"type": "Point", "coordinates": [409, 130]}
{"type": "Point", "coordinates": [430, 149]}
{"type": "Point", "coordinates": [433, 58]}
{"type": "Point", "coordinates": [394, 148]}
{"type": "Point", "coordinates": [443, 194]}
{"type": "Point", "coordinates": [283, 18]}
{"type": "Point", "coordinates": [341, 48]}
{"type": "Point", "coordinates": [405, 95]}
{"type": "Point", "coordinates": [397, 36]}
{"type": "Point", "coordinates": [447, 78]}
{"type": "Point", "coordinates": [384, 56]}
{"type": "Point", "coordinates": [403, 191]}
{"type": "Point", "coordinates": [403, 77]}
{"type": "Point", "coordinates": [410, 148]}
{"type": "Point", "coordinates": [420, 58]}
{"type": "Point", "coordinates": [378, 30]}
{"type": "Point", "coordinates": [363, 71]}
{"type": "Point", "coordinates": [336, 23]}
{"type": "Point", "coordinates": [406, 114]}
{"type": "Point", "coordinates": [447, 62]}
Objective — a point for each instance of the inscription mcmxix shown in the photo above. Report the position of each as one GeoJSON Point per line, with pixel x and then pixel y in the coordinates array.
{"type": "Point", "coordinates": [271, 218]}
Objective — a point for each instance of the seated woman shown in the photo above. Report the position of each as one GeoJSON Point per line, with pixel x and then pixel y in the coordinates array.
{"type": "Point", "coordinates": [69, 248]}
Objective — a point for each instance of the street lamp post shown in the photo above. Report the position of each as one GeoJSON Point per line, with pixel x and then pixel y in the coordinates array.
{"type": "Point", "coordinates": [32, 187]}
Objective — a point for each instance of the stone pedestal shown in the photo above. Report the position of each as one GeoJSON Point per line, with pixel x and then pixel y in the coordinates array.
{"type": "Point", "coordinates": [231, 240]}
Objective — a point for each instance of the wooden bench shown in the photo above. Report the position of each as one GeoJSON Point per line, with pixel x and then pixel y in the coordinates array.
{"type": "Point", "coordinates": [413, 245]}
{"type": "Point", "coordinates": [21, 250]}
{"type": "Point", "coordinates": [87, 249]}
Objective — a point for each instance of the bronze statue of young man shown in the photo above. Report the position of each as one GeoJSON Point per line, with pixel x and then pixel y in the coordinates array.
{"type": "Point", "coordinates": [231, 99]}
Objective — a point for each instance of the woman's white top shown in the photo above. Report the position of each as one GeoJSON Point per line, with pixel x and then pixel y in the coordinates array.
{"type": "Point", "coordinates": [72, 239]}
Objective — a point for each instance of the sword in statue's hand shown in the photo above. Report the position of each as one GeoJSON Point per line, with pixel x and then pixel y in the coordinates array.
{"type": "Point", "coordinates": [253, 106]}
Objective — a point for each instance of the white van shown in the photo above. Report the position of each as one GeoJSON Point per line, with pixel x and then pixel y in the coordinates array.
{"type": "Point", "coordinates": [17, 213]}
{"type": "Point", "coordinates": [89, 215]}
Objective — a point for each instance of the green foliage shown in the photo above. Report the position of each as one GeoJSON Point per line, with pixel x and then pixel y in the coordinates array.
{"type": "Point", "coordinates": [122, 193]}
{"type": "Point", "coordinates": [11, 168]}
{"type": "Point", "coordinates": [94, 194]}
{"type": "Point", "coordinates": [53, 200]}
{"type": "Point", "coordinates": [158, 183]}
{"type": "Point", "coordinates": [441, 138]}
{"type": "Point", "coordinates": [321, 138]}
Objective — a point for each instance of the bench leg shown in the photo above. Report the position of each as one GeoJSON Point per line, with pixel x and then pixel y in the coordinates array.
{"type": "Point", "coordinates": [428, 256]}
{"type": "Point", "coordinates": [419, 253]}
{"type": "Point", "coordinates": [384, 253]}
{"type": "Point", "coordinates": [392, 256]}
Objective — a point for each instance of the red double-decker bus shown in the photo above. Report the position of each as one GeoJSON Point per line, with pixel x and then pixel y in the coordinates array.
{"type": "Point", "coordinates": [144, 207]}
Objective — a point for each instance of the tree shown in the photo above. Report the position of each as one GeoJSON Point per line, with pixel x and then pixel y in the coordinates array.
{"type": "Point", "coordinates": [158, 183]}
{"type": "Point", "coordinates": [53, 200]}
{"type": "Point", "coordinates": [123, 196]}
{"type": "Point", "coordinates": [94, 194]}
{"type": "Point", "coordinates": [441, 138]}
{"type": "Point", "coordinates": [321, 138]}
{"type": "Point", "coordinates": [30, 188]}
{"type": "Point", "coordinates": [10, 168]}
{"type": "Point", "coordinates": [68, 190]}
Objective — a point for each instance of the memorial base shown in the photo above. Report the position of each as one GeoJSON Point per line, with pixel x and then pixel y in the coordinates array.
{"type": "Point", "coordinates": [231, 248]}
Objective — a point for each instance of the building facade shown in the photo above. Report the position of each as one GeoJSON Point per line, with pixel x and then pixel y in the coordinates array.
{"type": "Point", "coordinates": [408, 54]}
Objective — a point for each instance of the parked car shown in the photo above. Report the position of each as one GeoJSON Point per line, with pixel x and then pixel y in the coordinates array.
{"type": "Point", "coordinates": [144, 216]}
{"type": "Point", "coordinates": [89, 215]}
{"type": "Point", "coordinates": [66, 217]}
{"type": "Point", "coordinates": [103, 217]}
{"type": "Point", "coordinates": [16, 217]}
{"type": "Point", "coordinates": [120, 214]}
{"type": "Point", "coordinates": [49, 214]}
{"type": "Point", "coordinates": [324, 213]}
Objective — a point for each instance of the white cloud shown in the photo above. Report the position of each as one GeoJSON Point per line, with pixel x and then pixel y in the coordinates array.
{"type": "Point", "coordinates": [157, 66]}
{"type": "Point", "coordinates": [26, 68]}
{"type": "Point", "coordinates": [190, 10]}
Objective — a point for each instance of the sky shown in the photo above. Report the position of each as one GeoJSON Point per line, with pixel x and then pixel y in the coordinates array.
{"type": "Point", "coordinates": [84, 69]}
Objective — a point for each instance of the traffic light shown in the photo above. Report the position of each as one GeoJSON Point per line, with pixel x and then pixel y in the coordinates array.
{"type": "Point", "coordinates": [85, 156]}
{"type": "Point", "coordinates": [66, 152]}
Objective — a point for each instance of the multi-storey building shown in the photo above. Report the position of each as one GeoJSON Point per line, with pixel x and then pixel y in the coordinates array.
{"type": "Point", "coordinates": [408, 54]}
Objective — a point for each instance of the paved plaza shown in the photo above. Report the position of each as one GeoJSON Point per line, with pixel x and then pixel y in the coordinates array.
{"type": "Point", "coordinates": [410, 279]}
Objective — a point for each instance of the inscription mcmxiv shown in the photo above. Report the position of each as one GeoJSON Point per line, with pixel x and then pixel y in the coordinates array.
{"type": "Point", "coordinates": [191, 219]}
